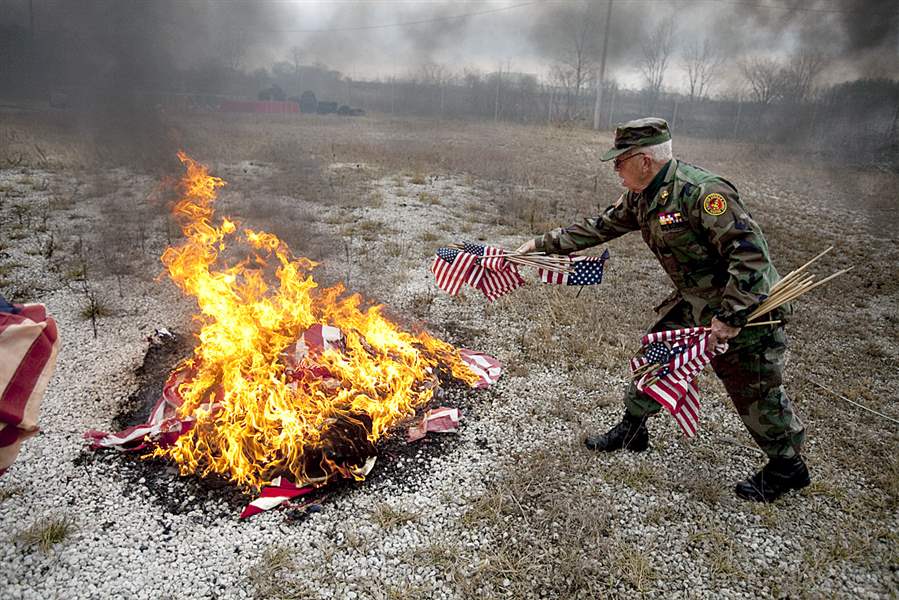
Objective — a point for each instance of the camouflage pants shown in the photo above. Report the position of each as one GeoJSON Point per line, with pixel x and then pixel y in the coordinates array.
{"type": "Point", "coordinates": [752, 372]}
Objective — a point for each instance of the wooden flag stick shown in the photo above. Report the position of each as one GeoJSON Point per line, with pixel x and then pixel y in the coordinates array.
{"type": "Point", "coordinates": [779, 297]}
{"type": "Point", "coordinates": [792, 275]}
{"type": "Point", "coordinates": [803, 267]}
{"type": "Point", "coordinates": [761, 323]}
{"type": "Point", "coordinates": [794, 293]}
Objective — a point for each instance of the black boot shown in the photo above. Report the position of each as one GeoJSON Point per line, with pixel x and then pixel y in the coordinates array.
{"type": "Point", "coordinates": [775, 479]}
{"type": "Point", "coordinates": [630, 433]}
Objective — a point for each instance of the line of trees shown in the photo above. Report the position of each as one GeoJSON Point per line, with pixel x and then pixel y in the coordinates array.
{"type": "Point", "coordinates": [774, 98]}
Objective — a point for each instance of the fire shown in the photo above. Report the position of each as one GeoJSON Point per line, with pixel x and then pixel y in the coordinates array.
{"type": "Point", "coordinates": [254, 419]}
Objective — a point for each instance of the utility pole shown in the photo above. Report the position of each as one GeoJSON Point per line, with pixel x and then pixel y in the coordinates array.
{"type": "Point", "coordinates": [30, 57]}
{"type": "Point", "coordinates": [602, 70]}
{"type": "Point", "coordinates": [499, 78]}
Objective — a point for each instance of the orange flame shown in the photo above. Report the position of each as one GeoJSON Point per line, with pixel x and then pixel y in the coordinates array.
{"type": "Point", "coordinates": [252, 422]}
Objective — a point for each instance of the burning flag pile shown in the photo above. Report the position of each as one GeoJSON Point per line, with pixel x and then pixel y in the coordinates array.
{"type": "Point", "coordinates": [289, 384]}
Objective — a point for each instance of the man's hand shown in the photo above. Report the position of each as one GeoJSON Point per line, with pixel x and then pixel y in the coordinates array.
{"type": "Point", "coordinates": [721, 332]}
{"type": "Point", "coordinates": [527, 247]}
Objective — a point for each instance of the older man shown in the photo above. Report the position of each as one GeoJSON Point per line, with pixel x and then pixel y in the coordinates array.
{"type": "Point", "coordinates": [717, 258]}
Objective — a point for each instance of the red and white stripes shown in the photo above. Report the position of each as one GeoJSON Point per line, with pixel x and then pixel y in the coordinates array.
{"type": "Point", "coordinates": [673, 383]}
{"type": "Point", "coordinates": [451, 276]}
{"type": "Point", "coordinates": [29, 343]}
{"type": "Point", "coordinates": [483, 365]}
{"type": "Point", "coordinates": [499, 276]}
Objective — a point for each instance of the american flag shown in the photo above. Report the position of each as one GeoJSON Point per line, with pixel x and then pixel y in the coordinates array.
{"type": "Point", "coordinates": [679, 355]}
{"type": "Point", "coordinates": [585, 270]}
{"type": "Point", "coordinates": [29, 343]}
{"type": "Point", "coordinates": [277, 493]}
{"type": "Point", "coordinates": [453, 267]}
{"type": "Point", "coordinates": [498, 276]}
{"type": "Point", "coordinates": [162, 428]}
{"type": "Point", "coordinates": [486, 367]}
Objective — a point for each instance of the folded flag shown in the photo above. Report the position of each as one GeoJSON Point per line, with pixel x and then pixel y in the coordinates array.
{"type": "Point", "coordinates": [582, 270]}
{"type": "Point", "coordinates": [29, 343]}
{"type": "Point", "coordinates": [483, 365]}
{"type": "Point", "coordinates": [669, 362]}
{"type": "Point", "coordinates": [437, 420]}
{"type": "Point", "coordinates": [498, 276]}
{"type": "Point", "coordinates": [6, 307]}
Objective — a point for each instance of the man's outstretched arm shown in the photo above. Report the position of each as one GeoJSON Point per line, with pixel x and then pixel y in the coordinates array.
{"type": "Point", "coordinates": [614, 221]}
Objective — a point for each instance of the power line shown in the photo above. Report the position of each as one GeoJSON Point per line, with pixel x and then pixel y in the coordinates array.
{"type": "Point", "coordinates": [808, 9]}
{"type": "Point", "coordinates": [401, 24]}
{"type": "Point", "coordinates": [524, 4]}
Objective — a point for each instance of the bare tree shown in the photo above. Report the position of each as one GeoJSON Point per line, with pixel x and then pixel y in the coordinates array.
{"type": "Point", "coordinates": [765, 77]}
{"type": "Point", "coordinates": [233, 48]}
{"type": "Point", "coordinates": [702, 63]}
{"type": "Point", "coordinates": [434, 77]}
{"type": "Point", "coordinates": [657, 50]}
{"type": "Point", "coordinates": [296, 54]}
{"type": "Point", "coordinates": [800, 75]}
{"type": "Point", "coordinates": [431, 73]}
{"type": "Point", "coordinates": [572, 35]}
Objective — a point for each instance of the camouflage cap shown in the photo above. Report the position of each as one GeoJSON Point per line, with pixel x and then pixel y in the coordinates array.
{"type": "Point", "coordinates": [640, 132]}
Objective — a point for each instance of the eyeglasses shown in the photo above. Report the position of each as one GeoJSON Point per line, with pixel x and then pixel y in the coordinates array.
{"type": "Point", "coordinates": [619, 161]}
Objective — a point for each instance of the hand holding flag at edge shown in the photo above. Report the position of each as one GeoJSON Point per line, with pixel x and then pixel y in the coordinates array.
{"type": "Point", "coordinates": [666, 368]}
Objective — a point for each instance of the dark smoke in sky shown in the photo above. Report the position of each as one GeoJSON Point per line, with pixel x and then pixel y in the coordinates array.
{"type": "Point", "coordinates": [140, 40]}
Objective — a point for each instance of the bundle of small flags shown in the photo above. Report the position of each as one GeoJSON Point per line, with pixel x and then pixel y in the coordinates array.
{"type": "Point", "coordinates": [581, 270]}
{"type": "Point", "coordinates": [494, 271]}
{"type": "Point", "coordinates": [485, 268]}
{"type": "Point", "coordinates": [666, 367]}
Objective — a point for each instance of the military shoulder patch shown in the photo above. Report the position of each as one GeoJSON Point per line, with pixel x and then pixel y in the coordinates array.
{"type": "Point", "coordinates": [714, 204]}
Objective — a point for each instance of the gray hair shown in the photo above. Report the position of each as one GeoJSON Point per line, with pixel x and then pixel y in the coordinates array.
{"type": "Point", "coordinates": [659, 153]}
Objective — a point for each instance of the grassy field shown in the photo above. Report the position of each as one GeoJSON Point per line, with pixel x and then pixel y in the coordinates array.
{"type": "Point", "coordinates": [327, 186]}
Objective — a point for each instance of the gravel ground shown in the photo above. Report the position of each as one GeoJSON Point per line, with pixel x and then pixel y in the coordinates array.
{"type": "Point", "coordinates": [511, 506]}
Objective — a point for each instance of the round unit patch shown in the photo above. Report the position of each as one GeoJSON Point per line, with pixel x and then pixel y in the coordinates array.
{"type": "Point", "coordinates": [714, 204]}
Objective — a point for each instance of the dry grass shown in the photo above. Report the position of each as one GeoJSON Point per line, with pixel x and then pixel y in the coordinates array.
{"type": "Point", "coordinates": [94, 308]}
{"type": "Point", "coordinates": [426, 198]}
{"type": "Point", "coordinates": [635, 566]}
{"type": "Point", "coordinates": [389, 516]}
{"type": "Point", "coordinates": [439, 553]}
{"type": "Point", "coordinates": [705, 489]}
{"type": "Point", "coordinates": [272, 576]}
{"type": "Point", "coordinates": [10, 491]}
{"type": "Point", "coordinates": [47, 532]}
{"type": "Point", "coordinates": [550, 531]}
{"type": "Point", "coordinates": [643, 476]}
{"type": "Point", "coordinates": [719, 551]}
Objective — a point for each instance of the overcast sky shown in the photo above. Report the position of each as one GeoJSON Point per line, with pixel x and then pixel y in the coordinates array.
{"type": "Point", "coordinates": [380, 38]}
{"type": "Point", "coordinates": [363, 39]}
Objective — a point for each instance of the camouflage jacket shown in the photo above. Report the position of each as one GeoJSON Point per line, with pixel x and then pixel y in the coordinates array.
{"type": "Point", "coordinates": [705, 239]}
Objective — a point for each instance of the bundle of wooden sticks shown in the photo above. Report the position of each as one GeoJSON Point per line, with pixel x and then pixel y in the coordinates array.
{"type": "Point", "coordinates": [537, 260]}
{"type": "Point", "coordinates": [793, 285]}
